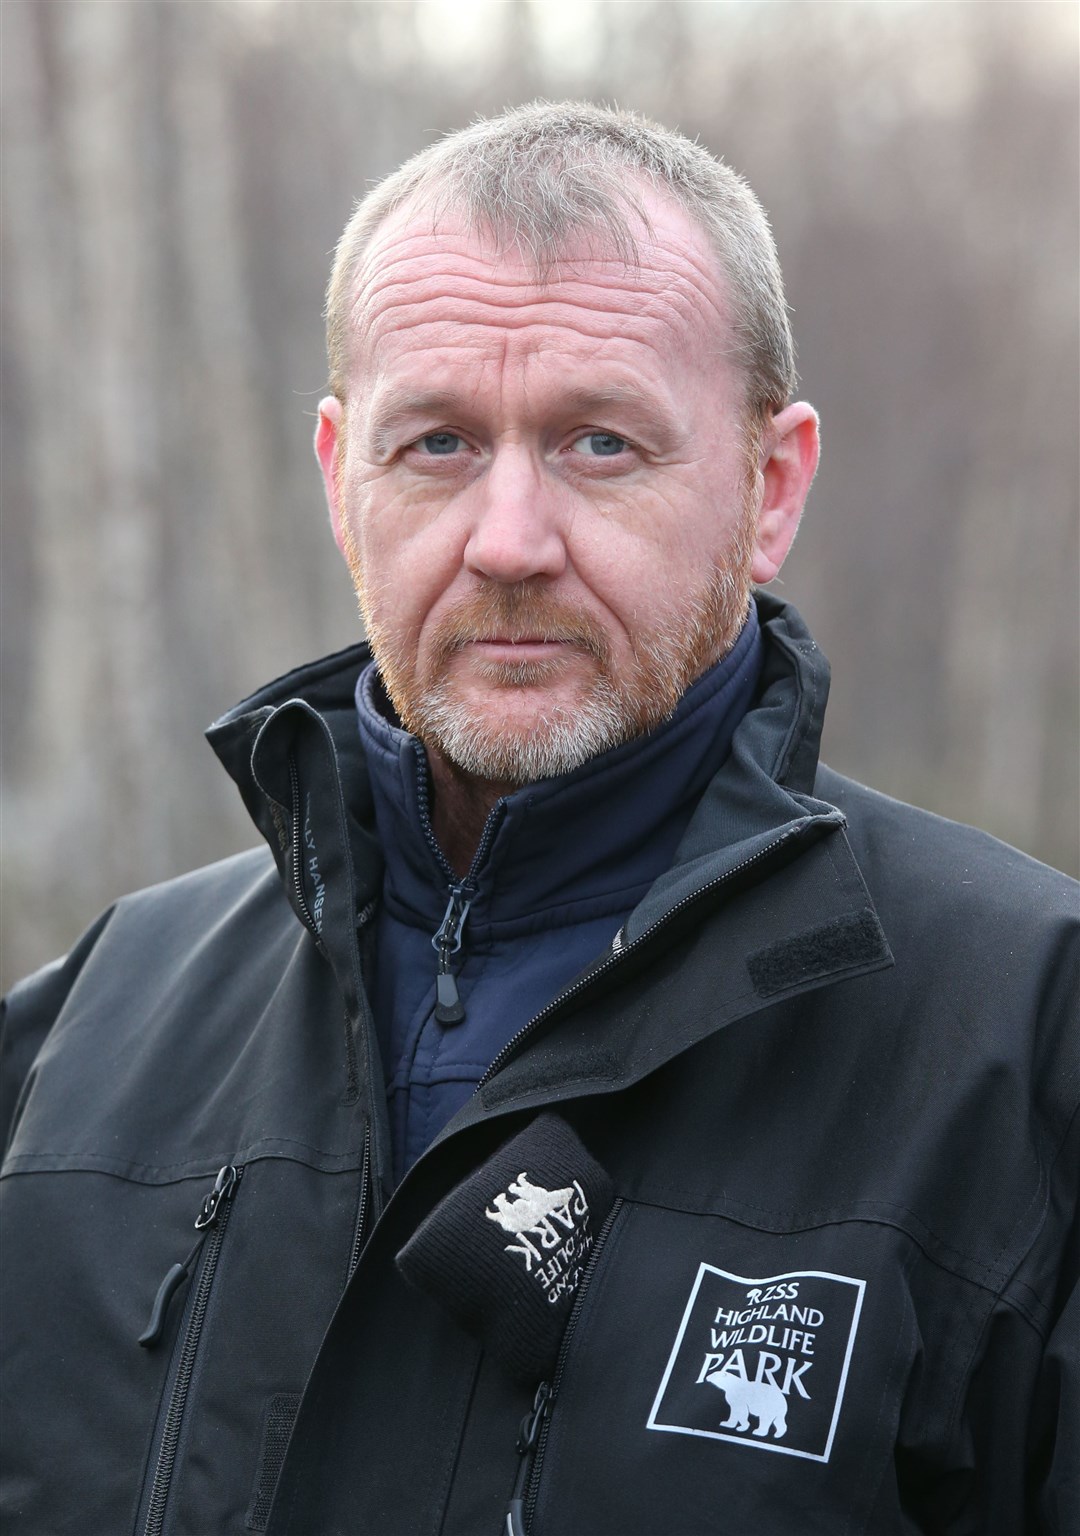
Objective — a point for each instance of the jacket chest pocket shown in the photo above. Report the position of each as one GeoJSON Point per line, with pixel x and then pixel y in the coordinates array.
{"type": "Point", "coordinates": [721, 1379]}
{"type": "Point", "coordinates": [198, 1270]}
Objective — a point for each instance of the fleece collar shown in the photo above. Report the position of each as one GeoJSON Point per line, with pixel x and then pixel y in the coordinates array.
{"type": "Point", "coordinates": [566, 848]}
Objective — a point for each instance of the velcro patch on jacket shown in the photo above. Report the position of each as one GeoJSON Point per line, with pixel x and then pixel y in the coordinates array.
{"type": "Point", "coordinates": [279, 1417]}
{"type": "Point", "coordinates": [534, 1074]}
{"type": "Point", "coordinates": [833, 946]}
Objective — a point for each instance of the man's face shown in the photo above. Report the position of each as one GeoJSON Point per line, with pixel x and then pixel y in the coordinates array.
{"type": "Point", "coordinates": [544, 493]}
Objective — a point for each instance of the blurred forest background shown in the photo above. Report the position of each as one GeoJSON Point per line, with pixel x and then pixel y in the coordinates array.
{"type": "Point", "coordinates": [175, 175]}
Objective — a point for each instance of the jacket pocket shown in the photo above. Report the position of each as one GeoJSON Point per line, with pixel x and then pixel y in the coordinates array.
{"type": "Point", "coordinates": [199, 1268]}
{"type": "Point", "coordinates": [720, 1379]}
{"type": "Point", "coordinates": [533, 1434]}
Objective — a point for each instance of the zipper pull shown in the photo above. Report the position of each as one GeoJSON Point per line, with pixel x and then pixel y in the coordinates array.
{"type": "Point", "coordinates": [209, 1211]}
{"type": "Point", "coordinates": [528, 1434]}
{"type": "Point", "coordinates": [449, 1009]}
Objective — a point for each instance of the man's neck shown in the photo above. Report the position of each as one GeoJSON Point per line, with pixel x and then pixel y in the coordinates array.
{"type": "Point", "coordinates": [461, 805]}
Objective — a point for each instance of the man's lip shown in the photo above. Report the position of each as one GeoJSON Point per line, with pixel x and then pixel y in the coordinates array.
{"type": "Point", "coordinates": [518, 647]}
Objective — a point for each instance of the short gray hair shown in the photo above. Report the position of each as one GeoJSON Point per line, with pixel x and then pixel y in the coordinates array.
{"type": "Point", "coordinates": [539, 175]}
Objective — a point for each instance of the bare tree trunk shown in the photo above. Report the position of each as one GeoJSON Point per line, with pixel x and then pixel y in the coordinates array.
{"type": "Point", "coordinates": [123, 368]}
{"type": "Point", "coordinates": [50, 787]}
{"type": "Point", "coordinates": [89, 357]}
{"type": "Point", "coordinates": [220, 342]}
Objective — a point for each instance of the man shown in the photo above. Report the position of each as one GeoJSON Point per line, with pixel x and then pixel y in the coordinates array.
{"type": "Point", "coordinates": [590, 1115]}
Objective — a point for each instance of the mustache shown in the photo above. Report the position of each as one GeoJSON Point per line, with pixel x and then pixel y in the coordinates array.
{"type": "Point", "coordinates": [518, 613]}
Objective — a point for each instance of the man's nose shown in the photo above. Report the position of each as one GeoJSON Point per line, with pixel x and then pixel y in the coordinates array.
{"type": "Point", "coordinates": [518, 513]}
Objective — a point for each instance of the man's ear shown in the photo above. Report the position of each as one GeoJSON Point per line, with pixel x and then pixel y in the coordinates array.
{"type": "Point", "coordinates": [327, 439]}
{"type": "Point", "coordinates": [789, 457]}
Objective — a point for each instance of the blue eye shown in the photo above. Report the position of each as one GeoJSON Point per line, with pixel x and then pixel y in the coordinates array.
{"type": "Point", "coordinates": [441, 442]}
{"type": "Point", "coordinates": [600, 445]}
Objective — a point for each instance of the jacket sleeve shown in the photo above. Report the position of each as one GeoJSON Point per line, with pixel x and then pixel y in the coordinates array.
{"type": "Point", "coordinates": [1059, 1497]}
{"type": "Point", "coordinates": [27, 1014]}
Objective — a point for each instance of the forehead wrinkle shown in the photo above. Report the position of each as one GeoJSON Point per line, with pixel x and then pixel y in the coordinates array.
{"type": "Point", "coordinates": [659, 322]}
{"type": "Point", "coordinates": [504, 287]}
{"type": "Point", "coordinates": [671, 245]}
{"type": "Point", "coordinates": [474, 329]}
{"type": "Point", "coordinates": [673, 236]}
{"type": "Point", "coordinates": [415, 298]}
{"type": "Point", "coordinates": [498, 293]}
{"type": "Point", "coordinates": [506, 268]}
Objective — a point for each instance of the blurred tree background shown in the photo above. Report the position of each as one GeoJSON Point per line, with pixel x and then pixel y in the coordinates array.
{"type": "Point", "coordinates": [175, 174]}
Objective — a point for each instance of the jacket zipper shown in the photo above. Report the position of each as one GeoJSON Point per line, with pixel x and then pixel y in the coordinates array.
{"type": "Point", "coordinates": [533, 1434]}
{"type": "Point", "coordinates": [352, 1070]}
{"type": "Point", "coordinates": [361, 1207]}
{"type": "Point", "coordinates": [528, 1435]}
{"type": "Point", "coordinates": [449, 1009]}
{"type": "Point", "coordinates": [211, 1222]}
{"type": "Point", "coordinates": [298, 846]}
{"type": "Point", "coordinates": [298, 859]}
{"type": "Point", "coordinates": [620, 949]}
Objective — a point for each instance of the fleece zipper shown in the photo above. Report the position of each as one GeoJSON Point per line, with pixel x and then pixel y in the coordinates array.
{"type": "Point", "coordinates": [446, 942]}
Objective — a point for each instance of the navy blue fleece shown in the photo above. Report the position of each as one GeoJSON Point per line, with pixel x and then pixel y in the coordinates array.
{"type": "Point", "coordinates": [569, 860]}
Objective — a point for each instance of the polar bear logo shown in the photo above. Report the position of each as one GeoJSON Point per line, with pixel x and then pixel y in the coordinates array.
{"type": "Point", "coordinates": [530, 1206]}
{"type": "Point", "coordinates": [763, 1399]}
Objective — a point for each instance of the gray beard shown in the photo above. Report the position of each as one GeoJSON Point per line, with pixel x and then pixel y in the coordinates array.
{"type": "Point", "coordinates": [562, 738]}
{"type": "Point", "coordinates": [558, 742]}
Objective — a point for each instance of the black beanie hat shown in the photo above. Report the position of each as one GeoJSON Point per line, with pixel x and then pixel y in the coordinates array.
{"type": "Point", "coordinates": [504, 1252]}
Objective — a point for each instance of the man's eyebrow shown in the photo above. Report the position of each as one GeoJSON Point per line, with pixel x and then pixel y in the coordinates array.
{"type": "Point", "coordinates": [400, 407]}
{"type": "Point", "coordinates": [643, 403]}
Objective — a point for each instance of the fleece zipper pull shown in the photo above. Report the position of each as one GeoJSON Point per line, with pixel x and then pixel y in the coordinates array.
{"type": "Point", "coordinates": [209, 1211]}
{"type": "Point", "coordinates": [449, 1009]}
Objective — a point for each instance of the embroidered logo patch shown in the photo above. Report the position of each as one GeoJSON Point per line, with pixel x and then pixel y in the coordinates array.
{"type": "Point", "coordinates": [552, 1231]}
{"type": "Point", "coordinates": [762, 1362]}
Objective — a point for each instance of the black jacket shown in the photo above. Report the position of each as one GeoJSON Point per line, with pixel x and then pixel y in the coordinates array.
{"type": "Point", "coordinates": [830, 1067]}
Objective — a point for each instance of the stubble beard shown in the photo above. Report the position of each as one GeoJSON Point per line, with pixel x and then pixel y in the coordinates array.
{"type": "Point", "coordinates": [610, 706]}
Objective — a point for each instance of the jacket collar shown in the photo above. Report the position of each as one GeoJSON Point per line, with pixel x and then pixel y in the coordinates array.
{"type": "Point", "coordinates": [295, 753]}
{"type": "Point", "coordinates": [763, 794]}
{"type": "Point", "coordinates": [780, 740]}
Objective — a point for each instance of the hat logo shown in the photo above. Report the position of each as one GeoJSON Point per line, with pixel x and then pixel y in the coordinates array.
{"type": "Point", "coordinates": [551, 1231]}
